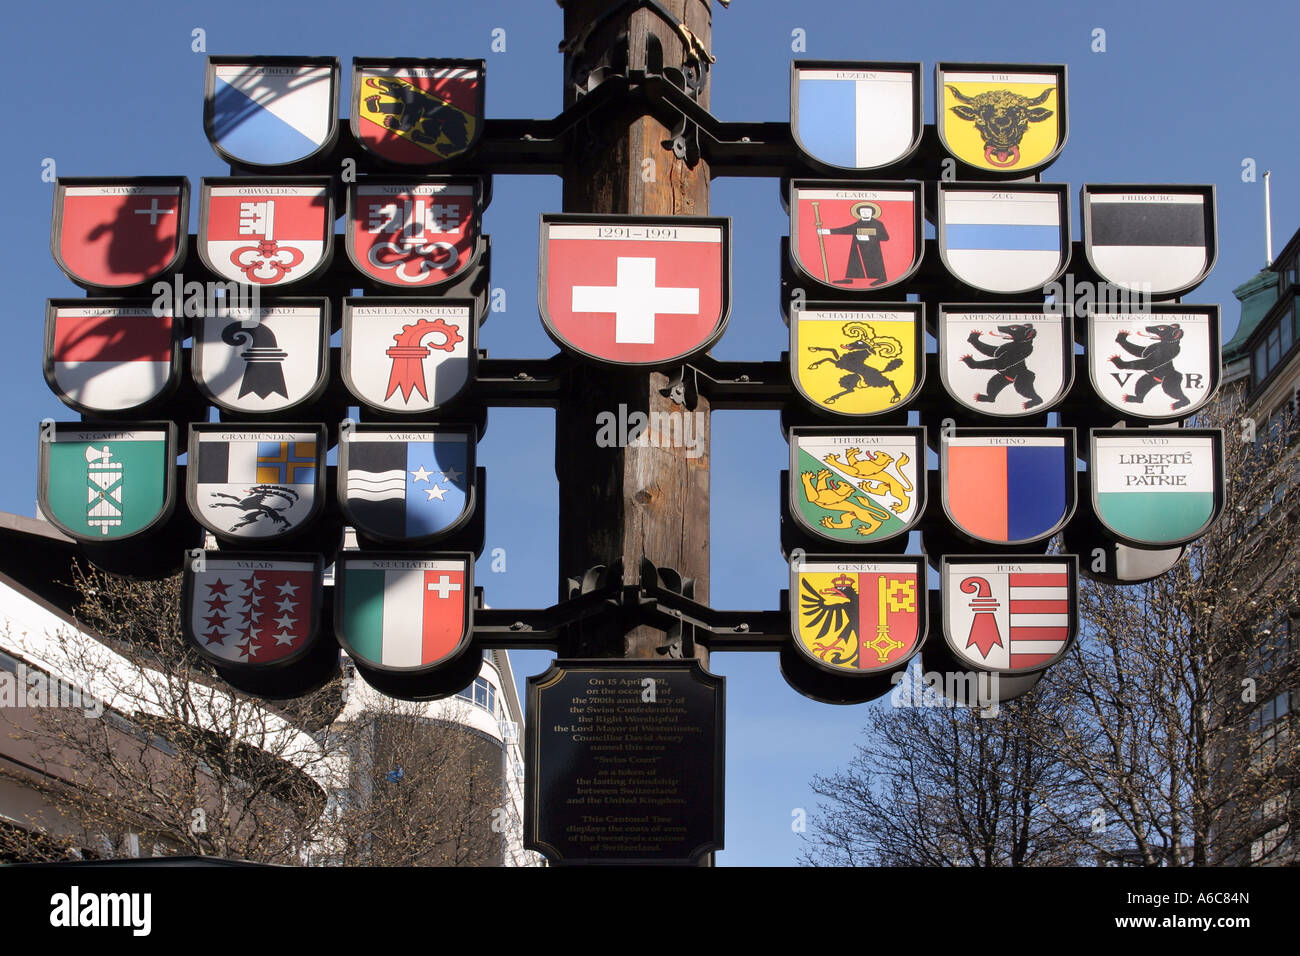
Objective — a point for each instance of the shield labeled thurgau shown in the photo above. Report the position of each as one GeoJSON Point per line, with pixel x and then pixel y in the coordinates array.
{"type": "Point", "coordinates": [271, 111]}
{"type": "Point", "coordinates": [110, 355]}
{"type": "Point", "coordinates": [1005, 118]}
{"type": "Point", "coordinates": [857, 360]}
{"type": "Point", "coordinates": [407, 355]}
{"type": "Point", "coordinates": [855, 115]}
{"type": "Point", "coordinates": [1007, 239]}
{"type": "Point", "coordinates": [417, 112]}
{"type": "Point", "coordinates": [851, 236]}
{"type": "Point", "coordinates": [1005, 360]}
{"type": "Point", "coordinates": [119, 233]}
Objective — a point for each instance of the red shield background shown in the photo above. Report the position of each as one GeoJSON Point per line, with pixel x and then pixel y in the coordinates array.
{"type": "Point", "coordinates": [897, 215]}
{"type": "Point", "coordinates": [423, 237]}
{"type": "Point", "coordinates": [117, 236]}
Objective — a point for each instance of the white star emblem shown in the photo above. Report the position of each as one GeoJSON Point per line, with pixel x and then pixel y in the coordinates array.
{"type": "Point", "coordinates": [283, 639]}
{"type": "Point", "coordinates": [285, 621]}
{"type": "Point", "coordinates": [287, 588]}
{"type": "Point", "coordinates": [451, 474]}
{"type": "Point", "coordinates": [421, 475]}
{"type": "Point", "coordinates": [437, 491]}
{"type": "Point", "coordinates": [288, 604]}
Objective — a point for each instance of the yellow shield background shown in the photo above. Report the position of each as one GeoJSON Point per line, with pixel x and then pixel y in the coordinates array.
{"type": "Point", "coordinates": [853, 380]}
{"type": "Point", "coordinates": [963, 138]}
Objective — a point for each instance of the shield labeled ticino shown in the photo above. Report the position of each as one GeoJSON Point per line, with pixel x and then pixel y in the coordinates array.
{"type": "Point", "coordinates": [855, 235]}
{"type": "Point", "coordinates": [110, 355]}
{"type": "Point", "coordinates": [118, 233]}
{"type": "Point", "coordinates": [857, 485]}
{"type": "Point", "coordinates": [417, 112]}
{"type": "Point", "coordinates": [413, 234]}
{"type": "Point", "coordinates": [271, 110]}
{"type": "Point", "coordinates": [855, 115]}
{"type": "Point", "coordinates": [269, 232]}
{"type": "Point", "coordinates": [1005, 360]}
{"type": "Point", "coordinates": [634, 290]}
{"type": "Point", "coordinates": [1009, 239]}
{"type": "Point", "coordinates": [1001, 117]}
{"type": "Point", "coordinates": [1156, 240]}
{"type": "Point", "coordinates": [1162, 363]}
{"type": "Point", "coordinates": [857, 360]}
{"type": "Point", "coordinates": [406, 355]}
{"type": "Point", "coordinates": [858, 617]}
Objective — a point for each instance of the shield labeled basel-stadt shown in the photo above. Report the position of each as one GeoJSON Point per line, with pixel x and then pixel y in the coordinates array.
{"type": "Point", "coordinates": [271, 110]}
{"type": "Point", "coordinates": [1005, 360]}
{"type": "Point", "coordinates": [1004, 239]}
{"type": "Point", "coordinates": [855, 236]}
{"type": "Point", "coordinates": [413, 234]}
{"type": "Point", "coordinates": [408, 355]}
{"type": "Point", "coordinates": [1001, 117]}
{"type": "Point", "coordinates": [855, 115]}
{"type": "Point", "coordinates": [634, 290]}
{"type": "Point", "coordinates": [1161, 363]}
{"type": "Point", "coordinates": [857, 360]}
{"type": "Point", "coordinates": [268, 232]}
{"type": "Point", "coordinates": [417, 112]}
{"type": "Point", "coordinates": [1155, 240]}
{"type": "Point", "coordinates": [118, 233]}
{"type": "Point", "coordinates": [110, 355]}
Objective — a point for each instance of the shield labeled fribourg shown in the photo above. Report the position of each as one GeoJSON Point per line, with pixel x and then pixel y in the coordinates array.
{"type": "Point", "coordinates": [854, 114]}
{"type": "Point", "coordinates": [1162, 363]}
{"type": "Point", "coordinates": [110, 355]}
{"type": "Point", "coordinates": [273, 110]}
{"type": "Point", "coordinates": [118, 233]}
{"type": "Point", "coordinates": [1005, 360]}
{"type": "Point", "coordinates": [413, 234]}
{"type": "Point", "coordinates": [417, 112]}
{"type": "Point", "coordinates": [408, 355]}
{"type": "Point", "coordinates": [1156, 240]}
{"type": "Point", "coordinates": [857, 360]}
{"type": "Point", "coordinates": [855, 235]}
{"type": "Point", "coordinates": [272, 233]}
{"type": "Point", "coordinates": [1004, 239]}
{"type": "Point", "coordinates": [1000, 116]}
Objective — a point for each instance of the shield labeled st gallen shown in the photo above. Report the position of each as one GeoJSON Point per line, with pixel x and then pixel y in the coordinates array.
{"type": "Point", "coordinates": [855, 115]}
{"type": "Point", "coordinates": [1005, 360]}
{"type": "Point", "coordinates": [851, 236]}
{"type": "Point", "coordinates": [1159, 364]}
{"type": "Point", "coordinates": [1009, 238]}
{"type": "Point", "coordinates": [1001, 117]}
{"type": "Point", "coordinates": [110, 355]}
{"type": "Point", "coordinates": [408, 355]}
{"type": "Point", "coordinates": [857, 361]}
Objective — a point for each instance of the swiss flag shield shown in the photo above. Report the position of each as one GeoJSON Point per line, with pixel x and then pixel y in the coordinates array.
{"type": "Point", "coordinates": [635, 290]}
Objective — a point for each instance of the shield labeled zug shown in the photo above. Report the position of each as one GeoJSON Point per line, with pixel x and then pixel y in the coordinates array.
{"type": "Point", "coordinates": [269, 232]}
{"type": "Point", "coordinates": [857, 360]}
{"type": "Point", "coordinates": [407, 355]}
{"type": "Point", "coordinates": [417, 112]}
{"type": "Point", "coordinates": [110, 355]}
{"type": "Point", "coordinates": [118, 233]}
{"type": "Point", "coordinates": [1009, 239]}
{"type": "Point", "coordinates": [855, 236]}
{"type": "Point", "coordinates": [1005, 360]}
{"type": "Point", "coordinates": [854, 115]}
{"type": "Point", "coordinates": [271, 110]}
{"type": "Point", "coordinates": [1156, 240]}
{"type": "Point", "coordinates": [414, 234]}
{"type": "Point", "coordinates": [1001, 117]}
{"type": "Point", "coordinates": [1161, 363]}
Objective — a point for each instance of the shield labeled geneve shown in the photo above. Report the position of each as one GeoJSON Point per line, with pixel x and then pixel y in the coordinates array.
{"type": "Point", "coordinates": [271, 110]}
{"type": "Point", "coordinates": [1154, 240]}
{"type": "Point", "coordinates": [857, 360]}
{"type": "Point", "coordinates": [855, 115]}
{"type": "Point", "coordinates": [408, 355]}
{"type": "Point", "coordinates": [272, 233]}
{"type": "Point", "coordinates": [1005, 360]}
{"type": "Point", "coordinates": [1001, 117]}
{"type": "Point", "coordinates": [1010, 239]}
{"type": "Point", "coordinates": [855, 236]}
{"type": "Point", "coordinates": [634, 290]}
{"type": "Point", "coordinates": [417, 112]}
{"type": "Point", "coordinates": [1162, 363]}
{"type": "Point", "coordinates": [414, 234]}
{"type": "Point", "coordinates": [119, 233]}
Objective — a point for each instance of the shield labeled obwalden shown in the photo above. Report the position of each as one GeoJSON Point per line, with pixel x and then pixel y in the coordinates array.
{"type": "Point", "coordinates": [1005, 360]}
{"type": "Point", "coordinates": [1160, 363]}
{"type": "Point", "coordinates": [855, 115]}
{"type": "Point", "coordinates": [855, 236]}
{"type": "Point", "coordinates": [408, 355]}
{"type": "Point", "coordinates": [1155, 240]}
{"type": "Point", "coordinates": [1010, 238]}
{"type": "Point", "coordinates": [1002, 117]}
{"type": "Point", "coordinates": [271, 233]}
{"type": "Point", "coordinates": [414, 234]}
{"type": "Point", "coordinates": [119, 233]}
{"type": "Point", "coordinates": [271, 110]}
{"type": "Point", "coordinates": [417, 112]}
{"type": "Point", "coordinates": [857, 360]}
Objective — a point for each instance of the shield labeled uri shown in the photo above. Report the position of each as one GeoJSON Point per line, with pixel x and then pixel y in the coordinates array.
{"type": "Point", "coordinates": [1007, 118]}
{"type": "Point", "coordinates": [849, 115]}
{"type": "Point", "coordinates": [855, 236]}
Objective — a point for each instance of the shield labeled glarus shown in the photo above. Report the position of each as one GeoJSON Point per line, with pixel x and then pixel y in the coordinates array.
{"type": "Point", "coordinates": [857, 360]}
{"type": "Point", "coordinates": [1011, 238]}
{"type": "Point", "coordinates": [417, 112]}
{"type": "Point", "coordinates": [1005, 360]}
{"type": "Point", "coordinates": [118, 233]}
{"type": "Point", "coordinates": [1155, 240]}
{"type": "Point", "coordinates": [859, 236]}
{"type": "Point", "coordinates": [408, 355]}
{"type": "Point", "coordinates": [1001, 117]}
{"type": "Point", "coordinates": [855, 115]}
{"type": "Point", "coordinates": [1161, 363]}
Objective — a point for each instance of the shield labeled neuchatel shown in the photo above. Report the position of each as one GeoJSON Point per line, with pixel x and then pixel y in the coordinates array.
{"type": "Point", "coordinates": [119, 233]}
{"type": "Point", "coordinates": [1001, 117]}
{"type": "Point", "coordinates": [271, 110]}
{"type": "Point", "coordinates": [634, 290]}
{"type": "Point", "coordinates": [1005, 360]}
{"type": "Point", "coordinates": [414, 234]}
{"type": "Point", "coordinates": [417, 112]}
{"type": "Point", "coordinates": [857, 360]}
{"type": "Point", "coordinates": [408, 355]}
{"type": "Point", "coordinates": [272, 233]}
{"type": "Point", "coordinates": [1154, 240]}
{"type": "Point", "coordinates": [1160, 363]}
{"type": "Point", "coordinates": [1011, 238]}
{"type": "Point", "coordinates": [855, 115]}
{"type": "Point", "coordinates": [855, 236]}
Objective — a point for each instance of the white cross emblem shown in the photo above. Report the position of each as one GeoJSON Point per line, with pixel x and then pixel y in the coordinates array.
{"type": "Point", "coordinates": [443, 586]}
{"type": "Point", "coordinates": [635, 301]}
{"type": "Point", "coordinates": [153, 212]}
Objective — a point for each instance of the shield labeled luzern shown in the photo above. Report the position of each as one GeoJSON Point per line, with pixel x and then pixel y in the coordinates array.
{"type": "Point", "coordinates": [272, 110]}
{"type": "Point", "coordinates": [857, 360]}
{"type": "Point", "coordinates": [857, 485]}
{"type": "Point", "coordinates": [855, 115]}
{"type": "Point", "coordinates": [1156, 489]}
{"type": "Point", "coordinates": [395, 613]}
{"type": "Point", "coordinates": [417, 112]}
{"type": "Point", "coordinates": [858, 617]}
{"type": "Point", "coordinates": [105, 482]}
{"type": "Point", "coordinates": [855, 235]}
{"type": "Point", "coordinates": [1161, 363]}
{"type": "Point", "coordinates": [634, 290]}
{"type": "Point", "coordinates": [405, 355]}
{"type": "Point", "coordinates": [118, 233]}
{"type": "Point", "coordinates": [1001, 117]}
{"type": "Point", "coordinates": [110, 355]}
{"type": "Point", "coordinates": [265, 232]}
{"type": "Point", "coordinates": [1009, 239]}
{"type": "Point", "coordinates": [1003, 359]}
{"type": "Point", "coordinates": [413, 234]}
{"type": "Point", "coordinates": [1157, 240]}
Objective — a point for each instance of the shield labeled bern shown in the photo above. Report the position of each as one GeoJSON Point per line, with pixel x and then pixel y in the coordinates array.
{"type": "Point", "coordinates": [408, 355]}
{"type": "Point", "coordinates": [855, 236]}
{"type": "Point", "coordinates": [413, 234]}
{"type": "Point", "coordinates": [854, 115]}
{"type": "Point", "coordinates": [271, 110]}
{"type": "Point", "coordinates": [118, 233]}
{"type": "Point", "coordinates": [1154, 240]}
{"type": "Point", "coordinates": [857, 360]}
{"type": "Point", "coordinates": [1005, 360]}
{"type": "Point", "coordinates": [1001, 117]}
{"type": "Point", "coordinates": [1162, 363]}
{"type": "Point", "coordinates": [1012, 238]}
{"type": "Point", "coordinates": [271, 233]}
{"type": "Point", "coordinates": [417, 112]}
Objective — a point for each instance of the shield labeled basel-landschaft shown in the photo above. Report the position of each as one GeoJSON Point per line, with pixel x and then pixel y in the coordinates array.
{"type": "Point", "coordinates": [1010, 238]}
{"type": "Point", "coordinates": [417, 112]}
{"type": "Point", "coordinates": [406, 484]}
{"type": "Point", "coordinates": [1154, 240]}
{"type": "Point", "coordinates": [1005, 360]}
{"type": "Point", "coordinates": [1161, 363]}
{"type": "Point", "coordinates": [255, 484]}
{"type": "Point", "coordinates": [102, 482]}
{"type": "Point", "coordinates": [1001, 117]}
{"type": "Point", "coordinates": [269, 232]}
{"type": "Point", "coordinates": [408, 355]}
{"type": "Point", "coordinates": [1156, 488]}
{"type": "Point", "coordinates": [634, 290]}
{"type": "Point", "coordinates": [857, 485]}
{"type": "Point", "coordinates": [414, 234]}
{"type": "Point", "coordinates": [855, 115]}
{"type": "Point", "coordinates": [110, 355]}
{"type": "Point", "coordinates": [857, 360]}
{"type": "Point", "coordinates": [396, 613]}
{"type": "Point", "coordinates": [118, 233]}
{"type": "Point", "coordinates": [858, 617]}
{"type": "Point", "coordinates": [271, 110]}
{"type": "Point", "coordinates": [1013, 615]}
{"type": "Point", "coordinates": [855, 236]}
{"type": "Point", "coordinates": [251, 609]}
{"type": "Point", "coordinates": [1008, 486]}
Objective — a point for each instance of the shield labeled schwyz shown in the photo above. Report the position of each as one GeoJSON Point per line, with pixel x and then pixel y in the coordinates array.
{"type": "Point", "coordinates": [1001, 117]}
{"type": "Point", "coordinates": [119, 233]}
{"type": "Point", "coordinates": [1010, 238]}
{"type": "Point", "coordinates": [1005, 360]}
{"type": "Point", "coordinates": [634, 290]}
{"type": "Point", "coordinates": [271, 233]}
{"type": "Point", "coordinates": [854, 236]}
{"type": "Point", "coordinates": [1156, 488]}
{"type": "Point", "coordinates": [855, 115]}
{"type": "Point", "coordinates": [271, 110]}
{"type": "Point", "coordinates": [396, 613]}
{"type": "Point", "coordinates": [1159, 363]}
{"type": "Point", "coordinates": [1154, 240]}
{"type": "Point", "coordinates": [857, 485]}
{"type": "Point", "coordinates": [857, 360]}
{"type": "Point", "coordinates": [408, 355]}
{"type": "Point", "coordinates": [251, 610]}
{"type": "Point", "coordinates": [417, 112]}
{"type": "Point", "coordinates": [101, 482]}
{"type": "Point", "coordinates": [414, 234]}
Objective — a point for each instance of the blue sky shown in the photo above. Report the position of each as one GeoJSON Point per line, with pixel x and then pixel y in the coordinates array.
{"type": "Point", "coordinates": [1184, 92]}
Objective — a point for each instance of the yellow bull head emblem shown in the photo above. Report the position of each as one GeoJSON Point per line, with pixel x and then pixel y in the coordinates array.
{"type": "Point", "coordinates": [1001, 118]}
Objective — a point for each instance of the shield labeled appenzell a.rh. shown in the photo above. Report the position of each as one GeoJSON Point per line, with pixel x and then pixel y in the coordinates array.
{"type": "Point", "coordinates": [396, 613]}
{"type": "Point", "coordinates": [1156, 240]}
{"type": "Point", "coordinates": [857, 485]}
{"type": "Point", "coordinates": [1010, 238]}
{"type": "Point", "coordinates": [408, 355]}
{"type": "Point", "coordinates": [1156, 488]}
{"type": "Point", "coordinates": [634, 290]}
{"type": "Point", "coordinates": [858, 617]}
{"type": "Point", "coordinates": [271, 110]}
{"type": "Point", "coordinates": [417, 112]}
{"type": "Point", "coordinates": [855, 115]}
{"type": "Point", "coordinates": [272, 233]}
{"type": "Point", "coordinates": [857, 360]}
{"type": "Point", "coordinates": [1161, 363]}
{"type": "Point", "coordinates": [251, 610]}
{"type": "Point", "coordinates": [414, 234]}
{"type": "Point", "coordinates": [1002, 117]}
{"type": "Point", "coordinates": [1005, 360]}
{"type": "Point", "coordinates": [855, 236]}
{"type": "Point", "coordinates": [110, 355]}
{"type": "Point", "coordinates": [118, 233]}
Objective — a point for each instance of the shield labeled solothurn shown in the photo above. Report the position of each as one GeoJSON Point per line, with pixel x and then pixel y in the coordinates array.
{"type": "Point", "coordinates": [408, 355]}
{"type": "Point", "coordinates": [118, 233]}
{"type": "Point", "coordinates": [1011, 238]}
{"type": "Point", "coordinates": [272, 233]}
{"type": "Point", "coordinates": [1162, 363]}
{"type": "Point", "coordinates": [855, 236]}
{"type": "Point", "coordinates": [1001, 117]}
{"type": "Point", "coordinates": [1153, 240]}
{"type": "Point", "coordinates": [418, 112]}
{"type": "Point", "coordinates": [857, 360]}
{"type": "Point", "coordinates": [1005, 360]}
{"type": "Point", "coordinates": [271, 111]}
{"type": "Point", "coordinates": [414, 234]}
{"type": "Point", "coordinates": [855, 115]}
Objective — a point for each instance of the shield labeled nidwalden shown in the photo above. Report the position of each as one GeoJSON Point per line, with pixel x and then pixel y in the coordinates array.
{"type": "Point", "coordinates": [1003, 117]}
{"type": "Point", "coordinates": [271, 110]}
{"type": "Point", "coordinates": [417, 112]}
{"type": "Point", "coordinates": [1156, 240]}
{"type": "Point", "coordinates": [855, 115]}
{"type": "Point", "coordinates": [855, 235]}
{"type": "Point", "coordinates": [1005, 360]}
{"type": "Point", "coordinates": [1161, 363]}
{"type": "Point", "coordinates": [413, 234]}
{"type": "Point", "coordinates": [1012, 238]}
{"type": "Point", "coordinates": [857, 360]}
{"type": "Point", "coordinates": [408, 355]}
{"type": "Point", "coordinates": [272, 233]}
{"type": "Point", "coordinates": [118, 233]}
{"type": "Point", "coordinates": [110, 355]}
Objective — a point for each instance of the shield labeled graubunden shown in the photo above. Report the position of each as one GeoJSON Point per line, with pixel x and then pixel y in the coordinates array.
{"type": "Point", "coordinates": [1007, 239]}
{"type": "Point", "coordinates": [271, 110]}
{"type": "Point", "coordinates": [634, 290]}
{"type": "Point", "coordinates": [1155, 240]}
{"type": "Point", "coordinates": [1001, 117]}
{"type": "Point", "coordinates": [110, 355]}
{"type": "Point", "coordinates": [118, 233]}
{"type": "Point", "coordinates": [855, 115]}
{"type": "Point", "coordinates": [1005, 360]}
{"type": "Point", "coordinates": [408, 355]}
{"type": "Point", "coordinates": [855, 236]}
{"type": "Point", "coordinates": [417, 112]}
{"type": "Point", "coordinates": [413, 234]}
{"type": "Point", "coordinates": [857, 360]}
{"type": "Point", "coordinates": [1159, 364]}
{"type": "Point", "coordinates": [266, 232]}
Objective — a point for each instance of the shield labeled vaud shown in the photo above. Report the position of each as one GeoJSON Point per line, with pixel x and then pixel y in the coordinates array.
{"type": "Point", "coordinates": [110, 355]}
{"type": "Point", "coordinates": [250, 609]}
{"type": "Point", "coordinates": [413, 234]}
{"type": "Point", "coordinates": [857, 360]}
{"type": "Point", "coordinates": [1005, 360]}
{"type": "Point", "coordinates": [1156, 488]}
{"type": "Point", "coordinates": [417, 112]}
{"type": "Point", "coordinates": [408, 355]}
{"type": "Point", "coordinates": [118, 233]}
{"type": "Point", "coordinates": [634, 290]}
{"type": "Point", "coordinates": [271, 110]}
{"type": "Point", "coordinates": [269, 232]}
{"type": "Point", "coordinates": [1012, 238]}
{"type": "Point", "coordinates": [855, 115]}
{"type": "Point", "coordinates": [858, 617]}
{"type": "Point", "coordinates": [855, 236]}
{"type": "Point", "coordinates": [857, 485]}
{"type": "Point", "coordinates": [1001, 117]}
{"type": "Point", "coordinates": [1162, 363]}
{"type": "Point", "coordinates": [1155, 240]}
{"type": "Point", "coordinates": [396, 613]}
{"type": "Point", "coordinates": [101, 482]}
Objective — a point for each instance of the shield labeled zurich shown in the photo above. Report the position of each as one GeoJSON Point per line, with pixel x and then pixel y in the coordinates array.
{"type": "Point", "coordinates": [271, 233]}
{"type": "Point", "coordinates": [1008, 486]}
{"type": "Point", "coordinates": [417, 112]}
{"type": "Point", "coordinates": [110, 355]}
{"type": "Point", "coordinates": [855, 115]}
{"type": "Point", "coordinates": [250, 609]}
{"type": "Point", "coordinates": [271, 110]}
{"type": "Point", "coordinates": [1161, 363]}
{"type": "Point", "coordinates": [1010, 239]}
{"type": "Point", "coordinates": [253, 484]}
{"type": "Point", "coordinates": [857, 485]}
{"type": "Point", "coordinates": [1155, 240]}
{"type": "Point", "coordinates": [1010, 616]}
{"type": "Point", "coordinates": [413, 234]}
{"type": "Point", "coordinates": [101, 482]}
{"type": "Point", "coordinates": [1001, 117]}
{"type": "Point", "coordinates": [118, 233]}
{"type": "Point", "coordinates": [393, 612]}
{"type": "Point", "coordinates": [635, 290]}
{"type": "Point", "coordinates": [1156, 488]}
{"type": "Point", "coordinates": [855, 236]}
{"type": "Point", "coordinates": [858, 617]}
{"type": "Point", "coordinates": [408, 355]}
{"type": "Point", "coordinates": [1005, 360]}
{"type": "Point", "coordinates": [857, 360]}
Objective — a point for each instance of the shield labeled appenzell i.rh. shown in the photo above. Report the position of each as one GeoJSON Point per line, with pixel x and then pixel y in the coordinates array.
{"type": "Point", "coordinates": [270, 232]}
{"type": "Point", "coordinates": [1005, 239]}
{"type": "Point", "coordinates": [396, 613]}
{"type": "Point", "coordinates": [414, 234]}
{"type": "Point", "coordinates": [1002, 117]}
{"type": "Point", "coordinates": [855, 115]}
{"type": "Point", "coordinates": [251, 610]}
{"type": "Point", "coordinates": [119, 233]}
{"type": "Point", "coordinates": [1162, 363]}
{"type": "Point", "coordinates": [857, 360]}
{"type": "Point", "coordinates": [1005, 360]}
{"type": "Point", "coordinates": [851, 236]}
{"type": "Point", "coordinates": [1157, 240]}
{"type": "Point", "coordinates": [417, 112]}
{"type": "Point", "coordinates": [408, 355]}
{"type": "Point", "coordinates": [634, 290]}
{"type": "Point", "coordinates": [271, 110]}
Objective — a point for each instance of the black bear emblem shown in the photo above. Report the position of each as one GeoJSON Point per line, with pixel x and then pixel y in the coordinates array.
{"type": "Point", "coordinates": [1156, 362]}
{"type": "Point", "coordinates": [1008, 362]}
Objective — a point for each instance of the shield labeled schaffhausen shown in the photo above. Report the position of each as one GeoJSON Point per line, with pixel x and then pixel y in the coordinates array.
{"type": "Point", "coordinates": [855, 236]}
{"type": "Point", "coordinates": [855, 115]}
{"type": "Point", "coordinates": [413, 234]}
{"type": "Point", "coordinates": [1001, 117]}
{"type": "Point", "coordinates": [271, 110]}
{"type": "Point", "coordinates": [417, 112]}
{"type": "Point", "coordinates": [1005, 239]}
{"type": "Point", "coordinates": [118, 233]}
{"type": "Point", "coordinates": [1005, 360]}
{"type": "Point", "coordinates": [857, 360]}
{"type": "Point", "coordinates": [1155, 240]}
{"type": "Point", "coordinates": [408, 355]}
{"type": "Point", "coordinates": [110, 355]}
{"type": "Point", "coordinates": [1162, 363]}
{"type": "Point", "coordinates": [272, 233]}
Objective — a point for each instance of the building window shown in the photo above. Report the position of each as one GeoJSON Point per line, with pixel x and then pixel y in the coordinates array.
{"type": "Point", "coordinates": [482, 694]}
{"type": "Point", "coordinates": [1276, 344]}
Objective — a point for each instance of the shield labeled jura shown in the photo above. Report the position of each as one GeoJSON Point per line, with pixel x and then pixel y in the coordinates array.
{"type": "Point", "coordinates": [408, 355]}
{"type": "Point", "coordinates": [1161, 363]}
{"type": "Point", "coordinates": [634, 290]}
{"type": "Point", "coordinates": [413, 234]}
{"type": "Point", "coordinates": [1005, 360]}
{"type": "Point", "coordinates": [1009, 238]}
{"type": "Point", "coordinates": [271, 233]}
{"type": "Point", "coordinates": [851, 236]}
{"type": "Point", "coordinates": [857, 360]}
{"type": "Point", "coordinates": [1001, 117]}
{"type": "Point", "coordinates": [271, 110]}
{"type": "Point", "coordinates": [118, 233]}
{"type": "Point", "coordinates": [110, 355]}
{"type": "Point", "coordinates": [1156, 240]}
{"type": "Point", "coordinates": [855, 115]}
{"type": "Point", "coordinates": [417, 112]}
